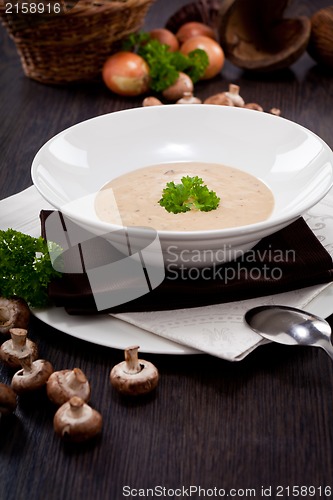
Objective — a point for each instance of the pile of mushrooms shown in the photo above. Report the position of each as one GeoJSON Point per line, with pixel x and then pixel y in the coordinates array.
{"type": "Point", "coordinates": [74, 420]}
{"type": "Point", "coordinates": [231, 97]}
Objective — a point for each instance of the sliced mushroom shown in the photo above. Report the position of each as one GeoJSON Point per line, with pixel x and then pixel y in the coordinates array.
{"type": "Point", "coordinates": [77, 421]}
{"type": "Point", "coordinates": [64, 384]}
{"type": "Point", "coordinates": [14, 313]}
{"type": "Point", "coordinates": [19, 345]}
{"type": "Point", "coordinates": [32, 376]}
{"type": "Point", "coordinates": [134, 376]}
{"type": "Point", "coordinates": [8, 400]}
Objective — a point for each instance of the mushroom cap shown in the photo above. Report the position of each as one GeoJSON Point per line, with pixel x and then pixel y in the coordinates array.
{"type": "Point", "coordinates": [26, 381]}
{"type": "Point", "coordinates": [134, 384]}
{"type": "Point", "coordinates": [255, 36]}
{"type": "Point", "coordinates": [76, 421]}
{"type": "Point", "coordinates": [14, 313]}
{"type": "Point", "coordinates": [8, 399]}
{"type": "Point", "coordinates": [320, 45]}
{"type": "Point", "coordinates": [64, 384]}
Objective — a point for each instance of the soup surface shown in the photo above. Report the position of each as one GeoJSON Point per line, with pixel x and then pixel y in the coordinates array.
{"type": "Point", "coordinates": [132, 199]}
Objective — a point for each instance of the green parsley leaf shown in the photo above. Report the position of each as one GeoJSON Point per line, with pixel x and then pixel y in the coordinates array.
{"type": "Point", "coordinates": [25, 267]}
{"type": "Point", "coordinates": [164, 65]}
{"type": "Point", "coordinates": [190, 194]}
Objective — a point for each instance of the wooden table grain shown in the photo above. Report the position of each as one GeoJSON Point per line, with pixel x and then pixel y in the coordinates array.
{"type": "Point", "coordinates": [262, 427]}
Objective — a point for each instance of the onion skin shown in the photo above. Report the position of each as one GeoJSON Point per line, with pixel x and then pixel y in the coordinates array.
{"type": "Point", "coordinates": [193, 28]}
{"type": "Point", "coordinates": [213, 50]}
{"type": "Point", "coordinates": [165, 36]}
{"type": "Point", "coordinates": [126, 73]}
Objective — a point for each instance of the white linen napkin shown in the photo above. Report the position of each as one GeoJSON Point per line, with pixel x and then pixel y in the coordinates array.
{"type": "Point", "coordinates": [218, 329]}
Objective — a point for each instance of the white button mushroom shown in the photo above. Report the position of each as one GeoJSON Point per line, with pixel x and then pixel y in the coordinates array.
{"type": "Point", "coordinates": [64, 384]}
{"type": "Point", "coordinates": [134, 376]}
{"type": "Point", "coordinates": [76, 421]}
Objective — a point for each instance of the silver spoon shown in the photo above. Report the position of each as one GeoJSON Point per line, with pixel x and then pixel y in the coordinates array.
{"type": "Point", "coordinates": [290, 326]}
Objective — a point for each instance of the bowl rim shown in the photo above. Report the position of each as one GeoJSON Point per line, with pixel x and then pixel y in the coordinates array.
{"type": "Point", "coordinates": [249, 229]}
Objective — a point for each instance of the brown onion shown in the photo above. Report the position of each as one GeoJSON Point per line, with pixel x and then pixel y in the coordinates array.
{"type": "Point", "coordinates": [126, 73]}
{"type": "Point", "coordinates": [193, 28]}
{"type": "Point", "coordinates": [213, 50]}
{"type": "Point", "coordinates": [165, 36]}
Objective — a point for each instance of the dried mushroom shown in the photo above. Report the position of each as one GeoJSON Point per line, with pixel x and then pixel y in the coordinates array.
{"type": "Point", "coordinates": [76, 421]}
{"type": "Point", "coordinates": [64, 384]}
{"type": "Point", "coordinates": [134, 376]}
{"type": "Point", "coordinates": [8, 400]}
{"type": "Point", "coordinates": [14, 313]}
{"type": "Point", "coordinates": [19, 345]}
{"type": "Point", "coordinates": [32, 376]}
{"type": "Point", "coordinates": [255, 35]}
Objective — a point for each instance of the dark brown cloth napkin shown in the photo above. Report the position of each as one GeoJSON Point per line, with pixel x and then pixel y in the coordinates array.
{"type": "Point", "coordinates": [289, 259]}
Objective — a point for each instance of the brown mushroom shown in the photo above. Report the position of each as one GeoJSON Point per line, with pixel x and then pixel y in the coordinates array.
{"type": "Point", "coordinates": [233, 94]}
{"type": "Point", "coordinates": [76, 421]}
{"type": "Point", "coordinates": [253, 105]}
{"type": "Point", "coordinates": [32, 376]}
{"type": "Point", "coordinates": [221, 99]}
{"type": "Point", "coordinates": [188, 98]}
{"type": "Point", "coordinates": [134, 376]}
{"type": "Point", "coordinates": [19, 345]}
{"type": "Point", "coordinates": [151, 101]}
{"type": "Point", "coordinates": [176, 91]}
{"type": "Point", "coordinates": [255, 35]}
{"type": "Point", "coordinates": [64, 384]}
{"type": "Point", "coordinates": [320, 45]}
{"type": "Point", "coordinates": [275, 111]}
{"type": "Point", "coordinates": [8, 400]}
{"type": "Point", "coordinates": [14, 313]}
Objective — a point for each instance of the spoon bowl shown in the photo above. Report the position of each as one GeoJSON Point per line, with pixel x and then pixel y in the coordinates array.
{"type": "Point", "coordinates": [290, 326]}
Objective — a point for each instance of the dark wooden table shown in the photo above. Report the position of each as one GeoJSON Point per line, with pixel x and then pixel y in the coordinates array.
{"type": "Point", "coordinates": [265, 422]}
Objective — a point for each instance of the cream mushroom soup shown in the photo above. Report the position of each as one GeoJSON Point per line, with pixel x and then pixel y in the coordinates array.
{"type": "Point", "coordinates": [132, 199]}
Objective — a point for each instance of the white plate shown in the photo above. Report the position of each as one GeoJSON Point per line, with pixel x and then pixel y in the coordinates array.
{"type": "Point", "coordinates": [21, 212]}
{"type": "Point", "coordinates": [111, 332]}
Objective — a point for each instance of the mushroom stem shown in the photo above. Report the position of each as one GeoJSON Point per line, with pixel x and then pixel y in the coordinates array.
{"type": "Point", "coordinates": [27, 364]}
{"type": "Point", "coordinates": [132, 365]}
{"type": "Point", "coordinates": [76, 406]}
{"type": "Point", "coordinates": [75, 378]}
{"type": "Point", "coordinates": [19, 337]}
{"type": "Point", "coordinates": [233, 94]}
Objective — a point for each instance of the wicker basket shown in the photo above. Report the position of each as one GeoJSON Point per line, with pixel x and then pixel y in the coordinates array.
{"type": "Point", "coordinates": [72, 45]}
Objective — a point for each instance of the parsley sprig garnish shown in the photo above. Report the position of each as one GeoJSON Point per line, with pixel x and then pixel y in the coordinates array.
{"type": "Point", "coordinates": [25, 267]}
{"type": "Point", "coordinates": [190, 194]}
{"type": "Point", "coordinates": [165, 65]}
